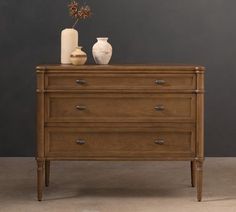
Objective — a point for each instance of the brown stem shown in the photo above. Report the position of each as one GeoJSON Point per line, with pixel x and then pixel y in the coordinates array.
{"type": "Point", "coordinates": [75, 23]}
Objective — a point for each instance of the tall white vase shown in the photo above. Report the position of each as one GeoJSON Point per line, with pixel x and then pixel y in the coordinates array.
{"type": "Point", "coordinates": [69, 42]}
{"type": "Point", "coordinates": [102, 51]}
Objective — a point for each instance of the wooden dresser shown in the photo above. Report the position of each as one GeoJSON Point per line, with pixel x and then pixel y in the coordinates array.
{"type": "Point", "coordinates": [120, 112]}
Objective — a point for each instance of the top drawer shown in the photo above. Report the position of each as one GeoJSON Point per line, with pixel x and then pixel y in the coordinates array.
{"type": "Point", "coordinates": [120, 81]}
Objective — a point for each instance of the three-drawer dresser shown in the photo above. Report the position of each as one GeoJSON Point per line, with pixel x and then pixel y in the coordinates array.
{"type": "Point", "coordinates": [120, 113]}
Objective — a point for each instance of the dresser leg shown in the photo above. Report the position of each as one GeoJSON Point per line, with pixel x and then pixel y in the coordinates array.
{"type": "Point", "coordinates": [47, 172]}
{"type": "Point", "coordinates": [40, 177]}
{"type": "Point", "coordinates": [193, 173]}
{"type": "Point", "coordinates": [199, 165]}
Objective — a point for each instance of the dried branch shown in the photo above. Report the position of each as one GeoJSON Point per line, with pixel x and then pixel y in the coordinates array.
{"type": "Point", "coordinates": [79, 12]}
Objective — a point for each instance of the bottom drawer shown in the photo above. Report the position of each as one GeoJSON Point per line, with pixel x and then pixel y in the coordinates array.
{"type": "Point", "coordinates": [119, 142]}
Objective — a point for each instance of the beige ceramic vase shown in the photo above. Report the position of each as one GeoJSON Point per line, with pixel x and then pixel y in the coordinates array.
{"type": "Point", "coordinates": [69, 41]}
{"type": "Point", "coordinates": [78, 57]}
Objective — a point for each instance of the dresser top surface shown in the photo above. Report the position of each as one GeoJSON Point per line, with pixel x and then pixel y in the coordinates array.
{"type": "Point", "coordinates": [124, 67]}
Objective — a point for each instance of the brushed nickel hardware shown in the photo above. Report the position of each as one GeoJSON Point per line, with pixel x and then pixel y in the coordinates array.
{"type": "Point", "coordinates": [81, 82]}
{"type": "Point", "coordinates": [159, 141]}
{"type": "Point", "coordinates": [80, 141]}
{"type": "Point", "coordinates": [159, 108]}
{"type": "Point", "coordinates": [81, 107]}
{"type": "Point", "coordinates": [160, 82]}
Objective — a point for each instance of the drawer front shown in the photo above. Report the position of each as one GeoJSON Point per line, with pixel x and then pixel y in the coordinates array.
{"type": "Point", "coordinates": [119, 142]}
{"type": "Point", "coordinates": [120, 81]}
{"type": "Point", "coordinates": [119, 107]}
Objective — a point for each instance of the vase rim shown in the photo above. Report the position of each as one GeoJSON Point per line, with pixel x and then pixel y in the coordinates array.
{"type": "Point", "coordinates": [102, 38]}
{"type": "Point", "coordinates": [70, 29]}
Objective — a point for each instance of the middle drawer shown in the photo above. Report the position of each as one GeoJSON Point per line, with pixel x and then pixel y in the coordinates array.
{"type": "Point", "coordinates": [64, 107]}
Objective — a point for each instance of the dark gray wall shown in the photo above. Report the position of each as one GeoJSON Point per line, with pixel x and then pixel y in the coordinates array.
{"type": "Point", "coordinates": [141, 31]}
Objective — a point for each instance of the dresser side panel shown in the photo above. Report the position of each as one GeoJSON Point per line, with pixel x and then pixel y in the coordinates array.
{"type": "Point", "coordinates": [40, 115]}
{"type": "Point", "coordinates": [200, 117]}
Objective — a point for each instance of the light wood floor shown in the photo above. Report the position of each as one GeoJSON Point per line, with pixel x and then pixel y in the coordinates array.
{"type": "Point", "coordinates": [117, 187]}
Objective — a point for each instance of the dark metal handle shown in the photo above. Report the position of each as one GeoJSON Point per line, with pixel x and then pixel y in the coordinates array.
{"type": "Point", "coordinates": [80, 141]}
{"type": "Point", "coordinates": [81, 82]}
{"type": "Point", "coordinates": [81, 107]}
{"type": "Point", "coordinates": [159, 108]}
{"type": "Point", "coordinates": [159, 141]}
{"type": "Point", "coordinates": [160, 82]}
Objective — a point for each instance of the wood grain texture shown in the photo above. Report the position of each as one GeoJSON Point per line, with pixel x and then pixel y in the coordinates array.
{"type": "Point", "coordinates": [108, 81]}
{"type": "Point", "coordinates": [120, 107]}
{"type": "Point", "coordinates": [40, 155]}
{"type": "Point", "coordinates": [40, 115]}
{"type": "Point", "coordinates": [199, 136]}
{"type": "Point", "coordinates": [120, 112]}
{"type": "Point", "coordinates": [40, 173]}
{"type": "Point", "coordinates": [120, 142]}
{"type": "Point", "coordinates": [199, 176]}
{"type": "Point", "coordinates": [125, 67]}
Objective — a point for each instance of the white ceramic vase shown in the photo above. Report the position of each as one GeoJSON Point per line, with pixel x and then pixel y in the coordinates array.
{"type": "Point", "coordinates": [69, 42]}
{"type": "Point", "coordinates": [78, 57]}
{"type": "Point", "coordinates": [102, 51]}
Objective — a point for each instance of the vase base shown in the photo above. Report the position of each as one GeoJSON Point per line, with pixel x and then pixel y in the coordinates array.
{"type": "Point", "coordinates": [66, 63]}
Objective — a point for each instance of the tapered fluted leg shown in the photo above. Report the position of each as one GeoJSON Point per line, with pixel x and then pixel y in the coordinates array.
{"type": "Point", "coordinates": [193, 173]}
{"type": "Point", "coordinates": [199, 173]}
{"type": "Point", "coordinates": [47, 172]}
{"type": "Point", "coordinates": [40, 177]}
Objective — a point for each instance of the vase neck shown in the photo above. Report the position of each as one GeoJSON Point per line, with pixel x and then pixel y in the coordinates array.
{"type": "Point", "coordinates": [104, 39]}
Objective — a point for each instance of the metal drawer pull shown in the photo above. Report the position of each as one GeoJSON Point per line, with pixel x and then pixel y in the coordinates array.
{"type": "Point", "coordinates": [160, 82]}
{"type": "Point", "coordinates": [159, 141]}
{"type": "Point", "coordinates": [81, 107]}
{"type": "Point", "coordinates": [159, 108]}
{"type": "Point", "coordinates": [80, 141]}
{"type": "Point", "coordinates": [81, 82]}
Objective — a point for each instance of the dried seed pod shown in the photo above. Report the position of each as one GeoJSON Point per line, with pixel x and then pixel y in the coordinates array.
{"type": "Point", "coordinates": [77, 12]}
